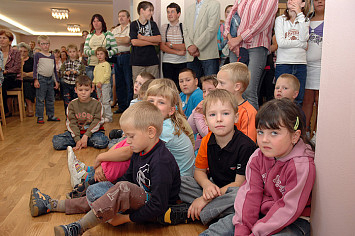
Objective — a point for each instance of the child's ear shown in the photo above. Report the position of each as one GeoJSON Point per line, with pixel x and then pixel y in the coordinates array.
{"type": "Point", "coordinates": [196, 81]}
{"type": "Point", "coordinates": [92, 89]}
{"type": "Point", "coordinates": [296, 136]}
{"type": "Point", "coordinates": [172, 110]}
{"type": "Point", "coordinates": [152, 131]}
{"type": "Point", "coordinates": [295, 94]}
{"type": "Point", "coordinates": [237, 87]}
{"type": "Point", "coordinates": [76, 91]}
{"type": "Point", "coordinates": [236, 117]}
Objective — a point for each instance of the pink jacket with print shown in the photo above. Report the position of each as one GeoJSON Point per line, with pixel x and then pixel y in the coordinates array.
{"type": "Point", "coordinates": [279, 189]}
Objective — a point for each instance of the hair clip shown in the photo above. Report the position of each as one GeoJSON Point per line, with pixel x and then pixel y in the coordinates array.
{"type": "Point", "coordinates": [297, 124]}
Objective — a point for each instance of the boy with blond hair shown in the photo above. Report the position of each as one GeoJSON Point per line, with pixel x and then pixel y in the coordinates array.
{"type": "Point", "coordinates": [151, 182]}
{"type": "Point", "coordinates": [287, 86]}
{"type": "Point", "coordinates": [84, 120]}
{"type": "Point", "coordinates": [45, 75]}
{"type": "Point", "coordinates": [219, 167]}
{"type": "Point", "coordinates": [235, 77]}
{"type": "Point", "coordinates": [69, 71]}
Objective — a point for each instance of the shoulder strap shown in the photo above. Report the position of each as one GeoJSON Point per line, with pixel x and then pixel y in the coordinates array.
{"type": "Point", "coordinates": [166, 32]}
{"type": "Point", "coordinates": [182, 33]}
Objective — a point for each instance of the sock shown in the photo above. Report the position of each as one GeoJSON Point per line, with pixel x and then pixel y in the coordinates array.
{"type": "Point", "coordinates": [89, 221]}
{"type": "Point", "coordinates": [85, 177]}
{"type": "Point", "coordinates": [57, 205]}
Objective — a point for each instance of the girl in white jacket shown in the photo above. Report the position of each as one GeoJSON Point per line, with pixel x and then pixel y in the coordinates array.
{"type": "Point", "coordinates": [292, 32]}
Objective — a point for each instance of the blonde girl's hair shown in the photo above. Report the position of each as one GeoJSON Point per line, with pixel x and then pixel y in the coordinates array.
{"type": "Point", "coordinates": [162, 87]}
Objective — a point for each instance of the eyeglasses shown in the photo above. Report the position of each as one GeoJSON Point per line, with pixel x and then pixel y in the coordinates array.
{"type": "Point", "coordinates": [44, 43]}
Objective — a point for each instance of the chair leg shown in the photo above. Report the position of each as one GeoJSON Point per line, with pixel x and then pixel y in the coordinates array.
{"type": "Point", "coordinates": [20, 107]}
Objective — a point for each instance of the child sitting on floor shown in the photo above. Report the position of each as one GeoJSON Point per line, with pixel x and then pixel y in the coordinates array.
{"type": "Point", "coordinates": [150, 184]}
{"type": "Point", "coordinates": [84, 120]}
{"type": "Point", "coordinates": [235, 77]}
{"type": "Point", "coordinates": [276, 197]}
{"type": "Point", "coordinates": [197, 120]}
{"type": "Point", "coordinates": [220, 164]}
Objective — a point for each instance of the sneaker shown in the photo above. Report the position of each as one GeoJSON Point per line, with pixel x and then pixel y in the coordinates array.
{"type": "Point", "coordinates": [176, 214]}
{"type": "Point", "coordinates": [73, 229]}
{"type": "Point", "coordinates": [40, 120]}
{"type": "Point", "coordinates": [53, 118]}
{"type": "Point", "coordinates": [107, 120]}
{"type": "Point", "coordinates": [77, 169]}
{"type": "Point", "coordinates": [39, 203]}
{"type": "Point", "coordinates": [78, 191]}
{"type": "Point", "coordinates": [115, 134]}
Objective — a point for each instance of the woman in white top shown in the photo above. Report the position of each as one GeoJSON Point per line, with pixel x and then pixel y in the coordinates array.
{"type": "Point", "coordinates": [292, 32]}
{"type": "Point", "coordinates": [314, 55]}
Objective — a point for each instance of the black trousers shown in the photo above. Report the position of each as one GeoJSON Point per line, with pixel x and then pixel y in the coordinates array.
{"type": "Point", "coordinates": [171, 71]}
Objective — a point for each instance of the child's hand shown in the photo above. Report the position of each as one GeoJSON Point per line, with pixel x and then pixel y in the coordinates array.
{"type": "Point", "coordinates": [196, 207]}
{"type": "Point", "coordinates": [56, 85]}
{"type": "Point", "coordinates": [211, 191]}
{"type": "Point", "coordinates": [99, 85]}
{"type": "Point", "coordinates": [199, 108]}
{"type": "Point", "coordinates": [82, 143]}
{"type": "Point", "coordinates": [36, 83]}
{"type": "Point", "coordinates": [97, 161]}
{"type": "Point", "coordinates": [99, 174]}
{"type": "Point", "coordinates": [67, 72]}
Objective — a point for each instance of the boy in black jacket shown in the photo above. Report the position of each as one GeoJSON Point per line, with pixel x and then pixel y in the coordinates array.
{"type": "Point", "coordinates": [151, 182]}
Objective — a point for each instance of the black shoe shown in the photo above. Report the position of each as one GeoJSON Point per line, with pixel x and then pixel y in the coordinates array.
{"type": "Point", "coordinates": [73, 229]}
{"type": "Point", "coordinates": [39, 203]}
{"type": "Point", "coordinates": [120, 110]}
{"type": "Point", "coordinates": [115, 134]}
{"type": "Point", "coordinates": [78, 191]}
{"type": "Point", "coordinates": [176, 214]}
{"type": "Point", "coordinates": [53, 118]}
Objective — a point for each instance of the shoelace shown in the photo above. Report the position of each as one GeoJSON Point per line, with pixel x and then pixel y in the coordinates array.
{"type": "Point", "coordinates": [73, 229]}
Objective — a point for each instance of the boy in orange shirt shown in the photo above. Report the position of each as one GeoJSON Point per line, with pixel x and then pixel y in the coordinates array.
{"type": "Point", "coordinates": [235, 77]}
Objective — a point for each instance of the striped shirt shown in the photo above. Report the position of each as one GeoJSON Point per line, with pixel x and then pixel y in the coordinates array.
{"type": "Point", "coordinates": [175, 36]}
{"type": "Point", "coordinates": [257, 20]}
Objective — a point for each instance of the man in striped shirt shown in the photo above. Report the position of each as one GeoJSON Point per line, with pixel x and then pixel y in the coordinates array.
{"type": "Point", "coordinates": [173, 44]}
{"type": "Point", "coordinates": [254, 34]}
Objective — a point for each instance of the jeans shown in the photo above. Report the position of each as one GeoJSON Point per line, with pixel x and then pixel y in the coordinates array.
{"type": "Point", "coordinates": [45, 94]}
{"type": "Point", "coordinates": [171, 71]}
{"type": "Point", "coordinates": [89, 70]}
{"type": "Point", "coordinates": [124, 82]}
{"type": "Point", "coordinates": [225, 227]}
{"type": "Point", "coordinates": [257, 62]}
{"type": "Point", "coordinates": [97, 140]}
{"type": "Point", "coordinates": [68, 94]}
{"type": "Point", "coordinates": [96, 191]}
{"type": "Point", "coordinates": [204, 67]}
{"type": "Point", "coordinates": [298, 70]}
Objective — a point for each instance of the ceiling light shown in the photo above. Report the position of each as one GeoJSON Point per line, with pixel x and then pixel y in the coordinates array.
{"type": "Point", "coordinates": [73, 28]}
{"type": "Point", "coordinates": [60, 14]}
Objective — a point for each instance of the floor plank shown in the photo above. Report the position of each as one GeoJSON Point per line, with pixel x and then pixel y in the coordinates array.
{"type": "Point", "coordinates": [28, 160]}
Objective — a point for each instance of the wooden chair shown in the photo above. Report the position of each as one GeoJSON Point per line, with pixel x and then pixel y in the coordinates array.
{"type": "Point", "coordinates": [1, 133]}
{"type": "Point", "coordinates": [2, 112]}
{"type": "Point", "coordinates": [21, 99]}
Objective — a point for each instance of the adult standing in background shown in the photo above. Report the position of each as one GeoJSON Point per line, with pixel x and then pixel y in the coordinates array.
{"type": "Point", "coordinates": [98, 37]}
{"type": "Point", "coordinates": [254, 33]}
{"type": "Point", "coordinates": [173, 44]}
{"type": "Point", "coordinates": [29, 90]}
{"type": "Point", "coordinates": [32, 47]}
{"type": "Point", "coordinates": [84, 58]}
{"type": "Point", "coordinates": [12, 67]}
{"type": "Point", "coordinates": [123, 69]}
{"type": "Point", "coordinates": [200, 33]}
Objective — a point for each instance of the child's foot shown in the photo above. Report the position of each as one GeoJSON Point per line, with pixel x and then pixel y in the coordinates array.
{"type": "Point", "coordinates": [53, 118]}
{"type": "Point", "coordinates": [176, 214]}
{"type": "Point", "coordinates": [40, 120]}
{"type": "Point", "coordinates": [40, 203]}
{"type": "Point", "coordinates": [78, 191]}
{"type": "Point", "coordinates": [115, 134]}
{"type": "Point", "coordinates": [72, 229]}
{"type": "Point", "coordinates": [77, 169]}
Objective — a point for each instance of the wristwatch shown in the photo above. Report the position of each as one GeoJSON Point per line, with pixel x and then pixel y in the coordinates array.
{"type": "Point", "coordinates": [170, 45]}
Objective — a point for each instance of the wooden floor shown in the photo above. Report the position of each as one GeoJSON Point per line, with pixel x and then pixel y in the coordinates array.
{"type": "Point", "coordinates": [27, 160]}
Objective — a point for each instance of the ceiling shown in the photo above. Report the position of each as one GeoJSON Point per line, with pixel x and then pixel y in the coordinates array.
{"type": "Point", "coordinates": [36, 14]}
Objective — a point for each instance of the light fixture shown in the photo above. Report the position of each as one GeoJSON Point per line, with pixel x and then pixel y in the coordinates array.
{"type": "Point", "coordinates": [60, 13]}
{"type": "Point", "coordinates": [73, 28]}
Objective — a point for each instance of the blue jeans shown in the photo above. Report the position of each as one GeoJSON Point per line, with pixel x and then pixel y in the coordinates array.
{"type": "Point", "coordinates": [97, 140]}
{"type": "Point", "coordinates": [124, 82]}
{"type": "Point", "coordinates": [298, 70]}
{"type": "Point", "coordinates": [95, 191]}
{"type": "Point", "coordinates": [89, 70]}
{"type": "Point", "coordinates": [257, 62]}
{"type": "Point", "coordinates": [204, 67]}
{"type": "Point", "coordinates": [45, 94]}
{"type": "Point", "coordinates": [225, 227]}
{"type": "Point", "coordinates": [68, 94]}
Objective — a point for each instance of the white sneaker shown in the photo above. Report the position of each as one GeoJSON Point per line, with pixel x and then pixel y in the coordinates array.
{"type": "Point", "coordinates": [76, 168]}
{"type": "Point", "coordinates": [107, 120]}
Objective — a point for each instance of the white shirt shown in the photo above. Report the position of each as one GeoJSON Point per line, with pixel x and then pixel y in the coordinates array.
{"type": "Point", "coordinates": [119, 32]}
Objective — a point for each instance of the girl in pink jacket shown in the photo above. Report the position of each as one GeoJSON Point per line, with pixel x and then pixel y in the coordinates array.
{"type": "Point", "coordinates": [275, 198]}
